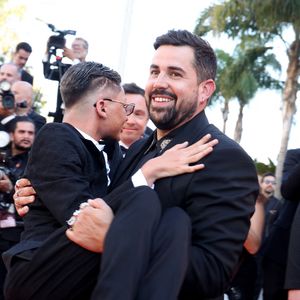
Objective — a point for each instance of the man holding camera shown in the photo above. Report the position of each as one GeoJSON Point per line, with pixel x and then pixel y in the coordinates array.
{"type": "Point", "coordinates": [12, 167]}
{"type": "Point", "coordinates": [9, 73]}
{"type": "Point", "coordinates": [23, 96]}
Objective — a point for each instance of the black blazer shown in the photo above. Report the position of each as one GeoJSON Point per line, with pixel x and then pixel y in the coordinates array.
{"type": "Point", "coordinates": [290, 189]}
{"type": "Point", "coordinates": [25, 76]}
{"type": "Point", "coordinates": [65, 170]}
{"type": "Point", "coordinates": [219, 200]}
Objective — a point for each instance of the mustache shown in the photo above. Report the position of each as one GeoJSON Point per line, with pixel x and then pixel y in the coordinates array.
{"type": "Point", "coordinates": [162, 92]}
{"type": "Point", "coordinates": [25, 140]}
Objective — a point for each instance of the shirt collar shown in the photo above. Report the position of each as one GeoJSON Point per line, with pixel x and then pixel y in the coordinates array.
{"type": "Point", "coordinates": [88, 137]}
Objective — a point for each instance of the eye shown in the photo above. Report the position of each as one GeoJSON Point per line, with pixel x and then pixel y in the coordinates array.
{"type": "Point", "coordinates": [175, 74]}
{"type": "Point", "coordinates": [154, 72]}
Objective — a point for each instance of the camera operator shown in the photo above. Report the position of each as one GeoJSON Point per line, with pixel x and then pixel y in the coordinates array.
{"type": "Point", "coordinates": [23, 94]}
{"type": "Point", "coordinates": [78, 52]}
{"type": "Point", "coordinates": [13, 164]}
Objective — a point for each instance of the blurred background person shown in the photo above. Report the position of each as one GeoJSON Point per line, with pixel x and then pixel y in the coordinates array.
{"type": "Point", "coordinates": [23, 94]}
{"type": "Point", "coordinates": [136, 123]}
{"type": "Point", "coordinates": [276, 247]}
{"type": "Point", "coordinates": [79, 50]}
{"type": "Point", "coordinates": [13, 163]}
{"type": "Point", "coordinates": [20, 57]}
{"type": "Point", "coordinates": [10, 72]}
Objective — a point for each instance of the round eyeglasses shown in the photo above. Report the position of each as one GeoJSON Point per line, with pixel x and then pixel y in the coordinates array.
{"type": "Point", "coordinates": [129, 108]}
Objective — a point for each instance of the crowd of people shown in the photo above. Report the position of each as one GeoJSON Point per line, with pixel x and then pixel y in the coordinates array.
{"type": "Point", "coordinates": [109, 209]}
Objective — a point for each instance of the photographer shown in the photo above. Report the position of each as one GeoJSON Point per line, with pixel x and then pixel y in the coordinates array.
{"type": "Point", "coordinates": [13, 163]}
{"type": "Point", "coordinates": [9, 73]}
{"type": "Point", "coordinates": [23, 96]}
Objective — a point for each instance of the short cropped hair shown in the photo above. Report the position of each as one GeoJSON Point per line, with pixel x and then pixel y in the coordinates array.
{"type": "Point", "coordinates": [85, 42]}
{"type": "Point", "coordinates": [24, 46]}
{"type": "Point", "coordinates": [205, 59]}
{"type": "Point", "coordinates": [133, 88]}
{"type": "Point", "coordinates": [86, 77]}
{"type": "Point", "coordinates": [18, 119]}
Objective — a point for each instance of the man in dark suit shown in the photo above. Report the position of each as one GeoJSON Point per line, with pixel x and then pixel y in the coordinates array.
{"type": "Point", "coordinates": [20, 57]}
{"type": "Point", "coordinates": [219, 200]}
{"type": "Point", "coordinates": [67, 167]}
{"type": "Point", "coordinates": [276, 246]}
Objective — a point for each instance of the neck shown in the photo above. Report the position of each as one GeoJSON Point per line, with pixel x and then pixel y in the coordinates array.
{"type": "Point", "coordinates": [84, 124]}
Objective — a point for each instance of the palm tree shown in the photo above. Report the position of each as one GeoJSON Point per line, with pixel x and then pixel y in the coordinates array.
{"type": "Point", "coordinates": [262, 21]}
{"type": "Point", "coordinates": [240, 76]}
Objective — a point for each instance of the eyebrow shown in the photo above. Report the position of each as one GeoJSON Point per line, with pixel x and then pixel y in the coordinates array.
{"type": "Point", "coordinates": [171, 68]}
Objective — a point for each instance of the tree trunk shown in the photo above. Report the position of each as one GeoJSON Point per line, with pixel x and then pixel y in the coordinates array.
{"type": "Point", "coordinates": [289, 97]}
{"type": "Point", "coordinates": [239, 125]}
{"type": "Point", "coordinates": [225, 113]}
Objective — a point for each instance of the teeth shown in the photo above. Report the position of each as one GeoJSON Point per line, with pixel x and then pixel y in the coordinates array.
{"type": "Point", "coordinates": [162, 99]}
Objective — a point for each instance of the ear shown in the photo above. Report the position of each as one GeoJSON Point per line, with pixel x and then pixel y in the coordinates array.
{"type": "Point", "coordinates": [101, 108]}
{"type": "Point", "coordinates": [205, 90]}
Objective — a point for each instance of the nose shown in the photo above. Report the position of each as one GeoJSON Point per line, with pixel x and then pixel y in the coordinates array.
{"type": "Point", "coordinates": [160, 81]}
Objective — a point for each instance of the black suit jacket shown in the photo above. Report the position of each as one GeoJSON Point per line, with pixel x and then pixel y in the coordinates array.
{"type": "Point", "coordinates": [25, 76]}
{"type": "Point", "coordinates": [276, 246]}
{"type": "Point", "coordinates": [38, 120]}
{"type": "Point", "coordinates": [291, 190]}
{"type": "Point", "coordinates": [219, 200]}
{"type": "Point", "coordinates": [65, 170]}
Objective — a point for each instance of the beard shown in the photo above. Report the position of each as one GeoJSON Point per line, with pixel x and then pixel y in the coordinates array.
{"type": "Point", "coordinates": [167, 118]}
{"type": "Point", "coordinates": [22, 148]}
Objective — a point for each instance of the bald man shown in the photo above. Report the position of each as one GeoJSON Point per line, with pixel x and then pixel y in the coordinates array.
{"type": "Point", "coordinates": [10, 72]}
{"type": "Point", "coordinates": [23, 93]}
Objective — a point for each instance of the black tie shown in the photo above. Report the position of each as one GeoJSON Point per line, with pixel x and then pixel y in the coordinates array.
{"type": "Point", "coordinates": [123, 150]}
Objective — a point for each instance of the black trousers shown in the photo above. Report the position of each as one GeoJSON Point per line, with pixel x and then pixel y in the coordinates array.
{"type": "Point", "coordinates": [146, 257]}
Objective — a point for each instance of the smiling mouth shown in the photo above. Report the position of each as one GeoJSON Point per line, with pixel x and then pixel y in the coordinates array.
{"type": "Point", "coordinates": [161, 99]}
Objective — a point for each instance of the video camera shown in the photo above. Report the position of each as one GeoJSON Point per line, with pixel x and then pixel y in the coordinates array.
{"type": "Point", "coordinates": [8, 99]}
{"type": "Point", "coordinates": [54, 68]}
{"type": "Point", "coordinates": [57, 41]}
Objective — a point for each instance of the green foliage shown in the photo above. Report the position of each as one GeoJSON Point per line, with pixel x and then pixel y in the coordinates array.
{"type": "Point", "coordinates": [38, 101]}
{"type": "Point", "coordinates": [264, 168]}
{"type": "Point", "coordinates": [8, 36]}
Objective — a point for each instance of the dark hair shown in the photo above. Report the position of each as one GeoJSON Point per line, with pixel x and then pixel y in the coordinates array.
{"type": "Point", "coordinates": [205, 58]}
{"type": "Point", "coordinates": [86, 77]}
{"type": "Point", "coordinates": [18, 119]}
{"type": "Point", "coordinates": [263, 176]}
{"type": "Point", "coordinates": [133, 88]}
{"type": "Point", "coordinates": [24, 46]}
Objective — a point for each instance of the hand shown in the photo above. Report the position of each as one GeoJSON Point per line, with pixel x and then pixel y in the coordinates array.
{"type": "Point", "coordinates": [24, 195]}
{"type": "Point", "coordinates": [177, 160]}
{"type": "Point", "coordinates": [69, 53]}
{"type": "Point", "coordinates": [91, 225]}
{"type": "Point", "coordinates": [294, 295]}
